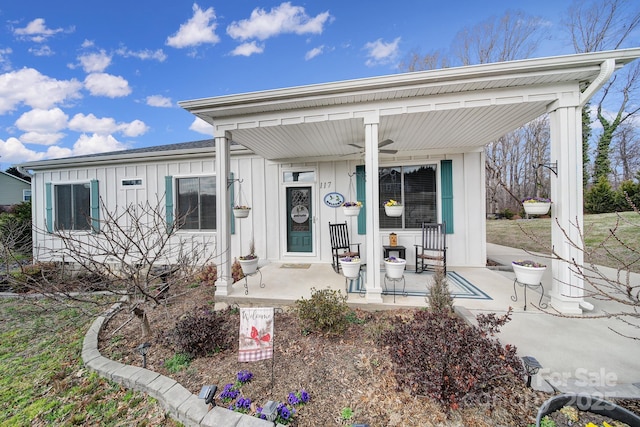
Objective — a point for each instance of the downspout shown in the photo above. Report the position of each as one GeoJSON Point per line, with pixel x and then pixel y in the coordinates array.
{"type": "Point", "coordinates": [606, 70]}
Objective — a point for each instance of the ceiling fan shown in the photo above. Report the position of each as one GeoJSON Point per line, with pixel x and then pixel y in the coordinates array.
{"type": "Point", "coordinates": [381, 144]}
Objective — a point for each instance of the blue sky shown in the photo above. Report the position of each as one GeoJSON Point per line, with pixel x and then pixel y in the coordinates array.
{"type": "Point", "coordinates": [78, 77]}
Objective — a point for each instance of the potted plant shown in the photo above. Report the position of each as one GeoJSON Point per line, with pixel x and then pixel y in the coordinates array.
{"type": "Point", "coordinates": [585, 403]}
{"type": "Point", "coordinates": [351, 208]}
{"type": "Point", "coordinates": [528, 272]}
{"type": "Point", "coordinates": [393, 208]}
{"type": "Point", "coordinates": [394, 267]}
{"type": "Point", "coordinates": [536, 205]}
{"type": "Point", "coordinates": [241, 211]}
{"type": "Point", "coordinates": [249, 262]}
{"type": "Point", "coordinates": [350, 267]}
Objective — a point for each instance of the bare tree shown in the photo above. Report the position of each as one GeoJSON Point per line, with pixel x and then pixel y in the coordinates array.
{"type": "Point", "coordinates": [131, 251]}
{"type": "Point", "coordinates": [626, 156]}
{"type": "Point", "coordinates": [514, 35]}
{"type": "Point", "coordinates": [416, 61]}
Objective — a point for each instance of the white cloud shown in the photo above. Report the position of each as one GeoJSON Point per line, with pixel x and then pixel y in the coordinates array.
{"type": "Point", "coordinates": [43, 50]}
{"type": "Point", "coordinates": [96, 144]}
{"type": "Point", "coordinates": [14, 151]}
{"type": "Point", "coordinates": [5, 63]}
{"type": "Point", "coordinates": [41, 138]}
{"type": "Point", "coordinates": [36, 31]}
{"type": "Point", "coordinates": [280, 20]}
{"type": "Point", "coordinates": [57, 152]}
{"type": "Point", "coordinates": [87, 43]}
{"type": "Point", "coordinates": [42, 121]}
{"type": "Point", "coordinates": [95, 62]}
{"type": "Point", "coordinates": [197, 30]}
{"type": "Point", "coordinates": [133, 129]}
{"type": "Point", "coordinates": [247, 49]}
{"type": "Point", "coordinates": [381, 52]}
{"type": "Point", "coordinates": [102, 84]}
{"type": "Point", "coordinates": [159, 101]}
{"type": "Point", "coordinates": [27, 86]}
{"type": "Point", "coordinates": [314, 52]}
{"type": "Point", "coordinates": [201, 126]}
{"type": "Point", "coordinates": [145, 54]}
{"type": "Point", "coordinates": [106, 125]}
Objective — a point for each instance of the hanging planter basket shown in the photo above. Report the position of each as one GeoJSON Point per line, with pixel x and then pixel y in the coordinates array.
{"type": "Point", "coordinates": [395, 210]}
{"type": "Point", "coordinates": [351, 210]}
{"type": "Point", "coordinates": [241, 212]}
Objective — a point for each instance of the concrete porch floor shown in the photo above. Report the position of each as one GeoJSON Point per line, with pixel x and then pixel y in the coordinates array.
{"type": "Point", "coordinates": [577, 354]}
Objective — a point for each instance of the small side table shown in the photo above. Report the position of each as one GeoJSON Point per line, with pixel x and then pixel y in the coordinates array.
{"type": "Point", "coordinates": [514, 297]}
{"type": "Point", "coordinates": [402, 252]}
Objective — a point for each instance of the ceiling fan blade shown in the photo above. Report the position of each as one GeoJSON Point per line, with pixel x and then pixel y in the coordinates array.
{"type": "Point", "coordinates": [388, 151]}
{"type": "Point", "coordinates": [357, 146]}
{"type": "Point", "coordinates": [385, 143]}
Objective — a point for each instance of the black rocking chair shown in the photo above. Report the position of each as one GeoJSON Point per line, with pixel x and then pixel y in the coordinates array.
{"type": "Point", "coordinates": [341, 246]}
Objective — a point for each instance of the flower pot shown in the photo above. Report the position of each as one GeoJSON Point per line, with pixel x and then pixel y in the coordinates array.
{"type": "Point", "coordinates": [528, 275]}
{"type": "Point", "coordinates": [350, 269]}
{"type": "Point", "coordinates": [537, 208]}
{"type": "Point", "coordinates": [394, 210]}
{"type": "Point", "coordinates": [241, 213]}
{"type": "Point", "coordinates": [587, 403]}
{"type": "Point", "coordinates": [395, 270]}
{"type": "Point", "coordinates": [351, 210]}
{"type": "Point", "coordinates": [249, 266]}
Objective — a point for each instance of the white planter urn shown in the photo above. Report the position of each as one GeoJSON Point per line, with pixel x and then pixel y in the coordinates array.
{"type": "Point", "coordinates": [249, 266]}
{"type": "Point", "coordinates": [241, 213]}
{"type": "Point", "coordinates": [394, 210]}
{"type": "Point", "coordinates": [528, 275]}
{"type": "Point", "coordinates": [351, 210]}
{"type": "Point", "coordinates": [537, 208]}
{"type": "Point", "coordinates": [395, 269]}
{"type": "Point", "coordinates": [350, 269]}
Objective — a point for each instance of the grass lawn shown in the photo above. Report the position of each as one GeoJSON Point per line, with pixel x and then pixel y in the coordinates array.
{"type": "Point", "coordinates": [43, 380]}
{"type": "Point", "coordinates": [535, 235]}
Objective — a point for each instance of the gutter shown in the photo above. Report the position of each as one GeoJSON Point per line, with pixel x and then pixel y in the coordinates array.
{"type": "Point", "coordinates": [24, 172]}
{"type": "Point", "coordinates": [607, 68]}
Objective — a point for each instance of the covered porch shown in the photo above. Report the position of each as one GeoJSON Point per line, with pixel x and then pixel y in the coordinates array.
{"type": "Point", "coordinates": [446, 114]}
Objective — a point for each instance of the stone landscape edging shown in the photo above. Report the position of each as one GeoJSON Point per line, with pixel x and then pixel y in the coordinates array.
{"type": "Point", "coordinates": [180, 403]}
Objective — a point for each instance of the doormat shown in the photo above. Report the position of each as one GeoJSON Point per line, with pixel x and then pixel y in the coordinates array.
{"type": "Point", "coordinates": [295, 266]}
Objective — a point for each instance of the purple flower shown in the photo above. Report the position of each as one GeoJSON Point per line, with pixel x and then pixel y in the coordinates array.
{"type": "Point", "coordinates": [304, 396]}
{"type": "Point", "coordinates": [284, 412]}
{"type": "Point", "coordinates": [245, 376]}
{"type": "Point", "coordinates": [293, 399]}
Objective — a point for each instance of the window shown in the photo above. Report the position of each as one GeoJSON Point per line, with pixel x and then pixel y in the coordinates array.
{"type": "Point", "coordinates": [73, 206]}
{"type": "Point", "coordinates": [131, 182]}
{"type": "Point", "coordinates": [26, 195]}
{"type": "Point", "coordinates": [196, 203]}
{"type": "Point", "coordinates": [415, 187]}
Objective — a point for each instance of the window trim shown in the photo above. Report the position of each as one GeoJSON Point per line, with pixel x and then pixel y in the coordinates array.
{"type": "Point", "coordinates": [54, 204]}
{"type": "Point", "coordinates": [24, 195]}
{"type": "Point", "coordinates": [174, 182]}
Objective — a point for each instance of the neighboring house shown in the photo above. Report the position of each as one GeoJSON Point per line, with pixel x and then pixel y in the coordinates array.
{"type": "Point", "coordinates": [293, 149]}
{"type": "Point", "coordinates": [13, 190]}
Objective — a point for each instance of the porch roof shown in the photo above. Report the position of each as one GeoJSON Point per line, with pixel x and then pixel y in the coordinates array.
{"type": "Point", "coordinates": [437, 111]}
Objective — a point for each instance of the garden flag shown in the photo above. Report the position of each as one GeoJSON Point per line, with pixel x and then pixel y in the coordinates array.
{"type": "Point", "coordinates": [256, 334]}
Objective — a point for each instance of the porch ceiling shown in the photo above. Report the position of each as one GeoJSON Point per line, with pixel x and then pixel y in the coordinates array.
{"type": "Point", "coordinates": [447, 110]}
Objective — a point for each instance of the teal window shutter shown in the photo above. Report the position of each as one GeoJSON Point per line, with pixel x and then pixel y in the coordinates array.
{"type": "Point", "coordinates": [361, 196]}
{"type": "Point", "coordinates": [168, 200]}
{"type": "Point", "coordinates": [233, 198]}
{"type": "Point", "coordinates": [446, 194]}
{"type": "Point", "coordinates": [48, 206]}
{"type": "Point", "coordinates": [95, 206]}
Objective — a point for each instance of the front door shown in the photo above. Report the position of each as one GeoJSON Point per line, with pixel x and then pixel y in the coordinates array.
{"type": "Point", "coordinates": [299, 219]}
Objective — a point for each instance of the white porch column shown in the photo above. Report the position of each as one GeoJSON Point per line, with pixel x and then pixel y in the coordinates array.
{"type": "Point", "coordinates": [567, 196]}
{"type": "Point", "coordinates": [373, 240]}
{"type": "Point", "coordinates": [223, 217]}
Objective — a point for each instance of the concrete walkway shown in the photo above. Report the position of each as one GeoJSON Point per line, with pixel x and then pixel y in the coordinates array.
{"type": "Point", "coordinates": [577, 354]}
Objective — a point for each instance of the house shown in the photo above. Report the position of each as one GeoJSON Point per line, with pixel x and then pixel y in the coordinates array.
{"type": "Point", "coordinates": [14, 190]}
{"type": "Point", "coordinates": [294, 154]}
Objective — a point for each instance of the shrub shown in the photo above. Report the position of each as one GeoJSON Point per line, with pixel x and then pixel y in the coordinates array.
{"type": "Point", "coordinates": [325, 311]}
{"type": "Point", "coordinates": [440, 300]}
{"type": "Point", "coordinates": [208, 275]}
{"type": "Point", "coordinates": [507, 213]}
{"type": "Point", "coordinates": [600, 197]}
{"type": "Point", "coordinates": [236, 270]}
{"type": "Point", "coordinates": [440, 356]}
{"type": "Point", "coordinates": [203, 332]}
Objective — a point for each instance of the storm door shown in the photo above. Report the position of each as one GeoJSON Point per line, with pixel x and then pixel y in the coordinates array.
{"type": "Point", "coordinates": [299, 219]}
